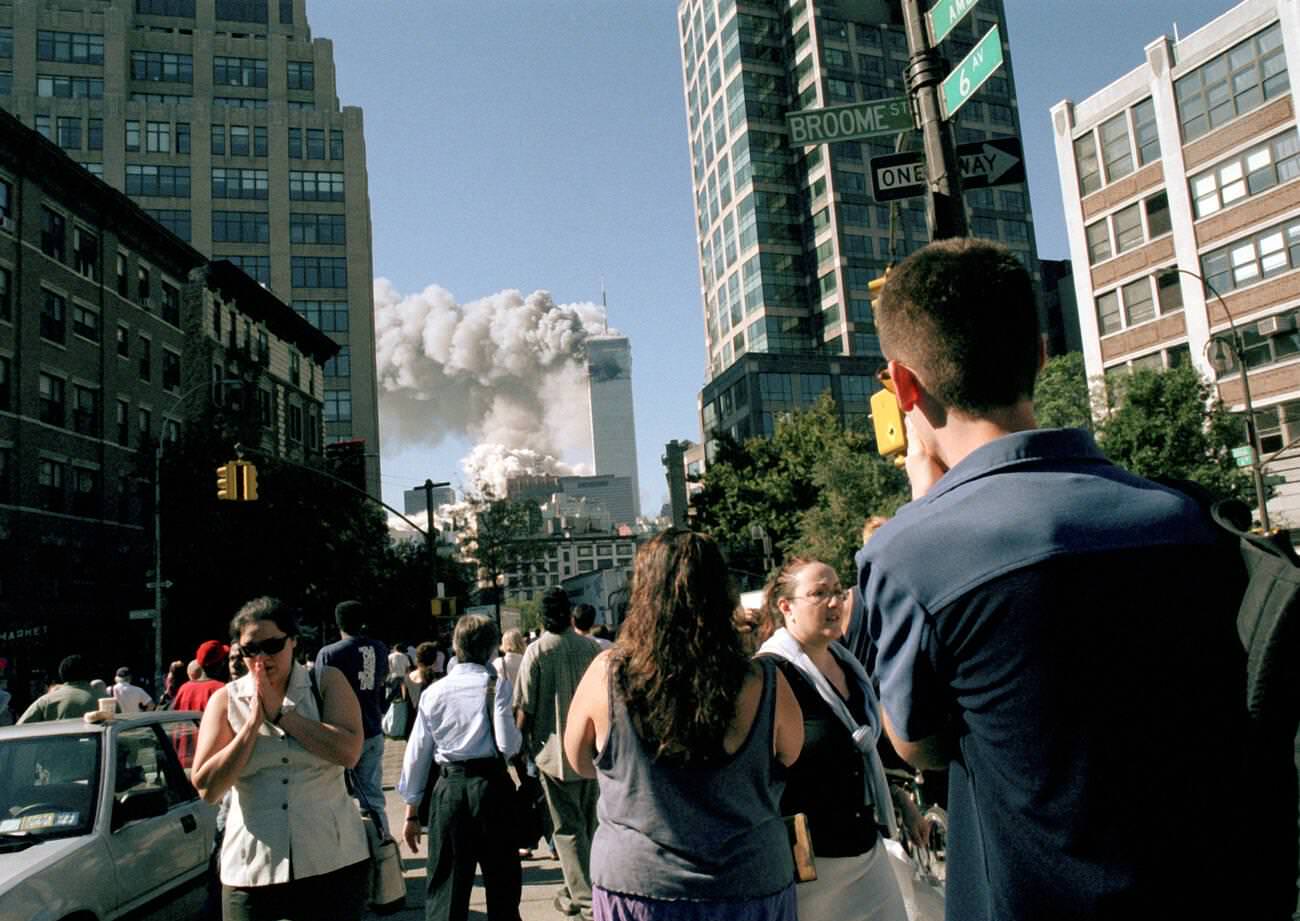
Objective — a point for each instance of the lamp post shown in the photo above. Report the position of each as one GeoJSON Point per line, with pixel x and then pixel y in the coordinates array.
{"type": "Point", "coordinates": [430, 535]}
{"type": "Point", "coordinates": [1238, 351]}
{"type": "Point", "coordinates": [158, 584]}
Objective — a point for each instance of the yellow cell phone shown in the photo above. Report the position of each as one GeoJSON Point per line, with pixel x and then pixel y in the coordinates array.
{"type": "Point", "coordinates": [887, 419]}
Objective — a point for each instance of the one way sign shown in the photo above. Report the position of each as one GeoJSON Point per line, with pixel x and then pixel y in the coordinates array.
{"type": "Point", "coordinates": [999, 161]}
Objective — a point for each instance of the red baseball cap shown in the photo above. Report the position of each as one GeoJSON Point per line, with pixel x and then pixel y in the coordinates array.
{"type": "Point", "coordinates": [211, 654]}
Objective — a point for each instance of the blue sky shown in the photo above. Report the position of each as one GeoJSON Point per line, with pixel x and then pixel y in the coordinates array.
{"type": "Point", "coordinates": [541, 144]}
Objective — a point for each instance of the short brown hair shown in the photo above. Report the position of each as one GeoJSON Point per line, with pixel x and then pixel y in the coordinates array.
{"type": "Point", "coordinates": [962, 314]}
{"type": "Point", "coordinates": [475, 639]}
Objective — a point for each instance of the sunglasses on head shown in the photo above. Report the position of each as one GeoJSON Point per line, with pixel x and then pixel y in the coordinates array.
{"type": "Point", "coordinates": [265, 647]}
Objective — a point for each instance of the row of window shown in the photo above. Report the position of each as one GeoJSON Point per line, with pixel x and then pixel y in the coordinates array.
{"type": "Point", "coordinates": [1261, 255]}
{"type": "Point", "coordinates": [1138, 301]}
{"type": "Point", "coordinates": [1247, 174]}
{"type": "Point", "coordinates": [230, 10]}
{"type": "Point", "coordinates": [230, 182]}
{"type": "Point", "coordinates": [1124, 229]}
{"type": "Point", "coordinates": [1127, 141]}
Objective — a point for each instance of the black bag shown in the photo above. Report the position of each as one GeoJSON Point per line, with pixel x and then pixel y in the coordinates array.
{"type": "Point", "coordinates": [1268, 625]}
{"type": "Point", "coordinates": [530, 802]}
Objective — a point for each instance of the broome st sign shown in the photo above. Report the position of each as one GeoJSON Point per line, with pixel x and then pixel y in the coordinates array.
{"type": "Point", "coordinates": [851, 122]}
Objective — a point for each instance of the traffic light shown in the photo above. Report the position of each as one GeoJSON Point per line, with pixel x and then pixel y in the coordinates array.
{"type": "Point", "coordinates": [247, 481]}
{"type": "Point", "coordinates": [228, 481]}
{"type": "Point", "coordinates": [876, 285]}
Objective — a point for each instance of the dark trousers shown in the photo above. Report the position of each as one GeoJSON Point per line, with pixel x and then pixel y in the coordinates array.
{"type": "Point", "coordinates": [470, 823]}
{"type": "Point", "coordinates": [341, 894]}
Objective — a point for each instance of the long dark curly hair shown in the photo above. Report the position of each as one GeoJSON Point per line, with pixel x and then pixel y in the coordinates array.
{"type": "Point", "coordinates": [678, 663]}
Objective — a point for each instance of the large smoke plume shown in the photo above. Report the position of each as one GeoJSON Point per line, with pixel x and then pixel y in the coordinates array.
{"type": "Point", "coordinates": [507, 371]}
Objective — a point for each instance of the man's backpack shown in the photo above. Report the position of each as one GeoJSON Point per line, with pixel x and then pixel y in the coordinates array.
{"type": "Point", "coordinates": [1268, 625]}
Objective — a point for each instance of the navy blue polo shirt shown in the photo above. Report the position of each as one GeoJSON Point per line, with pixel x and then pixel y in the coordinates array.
{"type": "Point", "coordinates": [1070, 627]}
{"type": "Point", "coordinates": [364, 662]}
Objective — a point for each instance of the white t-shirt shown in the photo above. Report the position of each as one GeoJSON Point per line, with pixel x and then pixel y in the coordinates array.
{"type": "Point", "coordinates": [398, 663]}
{"type": "Point", "coordinates": [131, 699]}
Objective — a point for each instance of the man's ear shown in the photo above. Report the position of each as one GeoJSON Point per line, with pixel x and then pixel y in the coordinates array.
{"type": "Point", "coordinates": [907, 386]}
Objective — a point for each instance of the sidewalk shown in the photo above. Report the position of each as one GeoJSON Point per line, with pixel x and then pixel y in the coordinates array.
{"type": "Point", "coordinates": [541, 877]}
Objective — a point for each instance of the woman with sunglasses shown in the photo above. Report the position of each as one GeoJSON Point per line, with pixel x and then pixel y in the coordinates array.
{"type": "Point", "coordinates": [838, 777]}
{"type": "Point", "coordinates": [280, 738]}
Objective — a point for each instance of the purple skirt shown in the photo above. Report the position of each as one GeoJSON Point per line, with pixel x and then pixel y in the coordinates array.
{"type": "Point", "coordinates": [614, 906]}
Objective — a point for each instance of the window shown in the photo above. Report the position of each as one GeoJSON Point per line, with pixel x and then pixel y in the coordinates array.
{"type": "Point", "coordinates": [6, 295]}
{"type": "Point", "coordinates": [1145, 132]}
{"type": "Point", "coordinates": [85, 410]}
{"type": "Point", "coordinates": [182, 8]}
{"type": "Point", "coordinates": [146, 359]}
{"type": "Point", "coordinates": [338, 406]}
{"type": "Point", "coordinates": [319, 272]}
{"type": "Point", "coordinates": [239, 72]}
{"type": "Point", "coordinates": [257, 268]}
{"type": "Point", "coordinates": [1098, 235]}
{"type": "Point", "coordinates": [315, 143]}
{"type": "Point", "coordinates": [1085, 157]}
{"type": "Point", "coordinates": [171, 370]}
{"type": "Point", "coordinates": [336, 144]}
{"type": "Point", "coordinates": [294, 419]}
{"type": "Point", "coordinates": [162, 67]}
{"type": "Point", "coordinates": [163, 181]}
{"type": "Point", "coordinates": [327, 316]}
{"type": "Point", "coordinates": [1262, 255]}
{"type": "Point", "coordinates": [122, 424]}
{"type": "Point", "coordinates": [158, 137]}
{"type": "Point", "coordinates": [1248, 174]}
{"type": "Point", "coordinates": [1108, 317]}
{"type": "Point", "coordinates": [160, 99]}
{"type": "Point", "coordinates": [143, 288]}
{"type": "Point", "coordinates": [6, 42]}
{"type": "Point", "coordinates": [240, 227]}
{"type": "Point", "coordinates": [1128, 228]}
{"type": "Point", "coordinates": [341, 364]}
{"type": "Point", "coordinates": [54, 309]}
{"type": "Point", "coordinates": [132, 136]}
{"type": "Point", "coordinates": [59, 86]}
{"type": "Point", "coordinates": [317, 228]}
{"type": "Point", "coordinates": [54, 234]}
{"type": "Point", "coordinates": [1139, 306]}
{"type": "Point", "coordinates": [242, 10]}
{"type": "Point", "coordinates": [85, 322]}
{"type": "Point", "coordinates": [171, 303]}
{"type": "Point", "coordinates": [239, 183]}
{"type": "Point", "coordinates": [306, 185]}
{"type": "Point", "coordinates": [123, 283]}
{"type": "Point", "coordinates": [123, 342]}
{"type": "Point", "coordinates": [302, 75]}
{"type": "Point", "coordinates": [1157, 208]}
{"type": "Point", "coordinates": [175, 220]}
{"type": "Point", "coordinates": [239, 102]}
{"type": "Point", "coordinates": [1237, 81]}
{"type": "Point", "coordinates": [51, 391]}
{"type": "Point", "coordinates": [85, 253]}
{"type": "Point", "coordinates": [50, 480]}
{"type": "Point", "coordinates": [1169, 292]}
{"type": "Point", "coordinates": [69, 133]}
{"type": "Point", "coordinates": [95, 134]}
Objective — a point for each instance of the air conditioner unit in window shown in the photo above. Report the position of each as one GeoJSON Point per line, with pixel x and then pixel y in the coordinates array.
{"type": "Point", "coordinates": [1275, 326]}
{"type": "Point", "coordinates": [7, 223]}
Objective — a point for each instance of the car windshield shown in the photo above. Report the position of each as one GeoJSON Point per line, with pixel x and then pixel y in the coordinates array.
{"type": "Point", "coordinates": [49, 785]}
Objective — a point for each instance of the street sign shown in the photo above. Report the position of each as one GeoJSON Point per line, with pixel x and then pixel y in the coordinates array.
{"type": "Point", "coordinates": [851, 122]}
{"type": "Point", "coordinates": [1244, 456]}
{"type": "Point", "coordinates": [998, 161]}
{"type": "Point", "coordinates": [970, 74]}
{"type": "Point", "coordinates": [945, 15]}
{"type": "Point", "coordinates": [142, 614]}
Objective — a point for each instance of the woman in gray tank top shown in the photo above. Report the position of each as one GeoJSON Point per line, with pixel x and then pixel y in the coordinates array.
{"type": "Point", "coordinates": [688, 739]}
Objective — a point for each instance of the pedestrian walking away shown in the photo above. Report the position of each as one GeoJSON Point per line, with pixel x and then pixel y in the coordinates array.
{"type": "Point", "coordinates": [68, 700]}
{"type": "Point", "coordinates": [548, 677]}
{"type": "Point", "coordinates": [465, 727]}
{"type": "Point", "coordinates": [364, 663]}
{"type": "Point", "coordinates": [130, 699]}
{"type": "Point", "coordinates": [279, 738]}
{"type": "Point", "coordinates": [1073, 721]}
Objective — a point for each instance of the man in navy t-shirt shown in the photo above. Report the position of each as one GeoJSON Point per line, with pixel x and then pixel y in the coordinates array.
{"type": "Point", "coordinates": [1057, 632]}
{"type": "Point", "coordinates": [364, 662]}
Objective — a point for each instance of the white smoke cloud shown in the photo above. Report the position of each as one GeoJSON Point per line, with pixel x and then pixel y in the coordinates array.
{"type": "Point", "coordinates": [507, 371]}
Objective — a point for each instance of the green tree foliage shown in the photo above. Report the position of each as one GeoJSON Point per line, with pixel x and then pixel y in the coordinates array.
{"type": "Point", "coordinates": [494, 545]}
{"type": "Point", "coordinates": [1163, 428]}
{"type": "Point", "coordinates": [810, 486]}
{"type": "Point", "coordinates": [1062, 398]}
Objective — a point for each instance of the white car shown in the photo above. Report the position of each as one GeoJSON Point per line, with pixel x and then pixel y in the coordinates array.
{"type": "Point", "coordinates": [98, 820]}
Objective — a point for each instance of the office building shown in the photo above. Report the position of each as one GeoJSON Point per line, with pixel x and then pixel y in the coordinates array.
{"type": "Point", "coordinates": [1188, 168]}
{"type": "Point", "coordinates": [114, 336]}
{"type": "Point", "coordinates": [221, 118]}
{"type": "Point", "coordinates": [610, 498]}
{"type": "Point", "coordinates": [789, 237]}
{"type": "Point", "coordinates": [414, 500]}
{"type": "Point", "coordinates": [613, 426]}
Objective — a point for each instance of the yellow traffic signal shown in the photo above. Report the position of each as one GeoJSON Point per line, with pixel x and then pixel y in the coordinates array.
{"type": "Point", "coordinates": [876, 285]}
{"type": "Point", "coordinates": [227, 481]}
{"type": "Point", "coordinates": [248, 481]}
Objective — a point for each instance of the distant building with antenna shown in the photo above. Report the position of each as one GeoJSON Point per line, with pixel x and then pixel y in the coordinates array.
{"type": "Point", "coordinates": [613, 429]}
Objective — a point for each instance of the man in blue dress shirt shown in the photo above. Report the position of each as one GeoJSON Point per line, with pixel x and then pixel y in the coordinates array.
{"type": "Point", "coordinates": [465, 725]}
{"type": "Point", "coordinates": [1054, 630]}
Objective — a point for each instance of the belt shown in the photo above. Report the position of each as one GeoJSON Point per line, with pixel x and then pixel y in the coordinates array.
{"type": "Point", "coordinates": [474, 767]}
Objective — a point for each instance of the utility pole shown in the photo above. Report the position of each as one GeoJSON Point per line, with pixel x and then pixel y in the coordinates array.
{"type": "Point", "coordinates": [943, 203]}
{"type": "Point", "coordinates": [430, 534]}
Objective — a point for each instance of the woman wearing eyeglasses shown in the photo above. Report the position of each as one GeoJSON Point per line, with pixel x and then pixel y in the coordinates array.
{"type": "Point", "coordinates": [280, 738]}
{"type": "Point", "coordinates": [838, 778]}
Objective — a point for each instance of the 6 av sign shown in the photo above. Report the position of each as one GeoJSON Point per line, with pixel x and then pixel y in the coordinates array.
{"type": "Point", "coordinates": [970, 74]}
{"type": "Point", "coordinates": [999, 161]}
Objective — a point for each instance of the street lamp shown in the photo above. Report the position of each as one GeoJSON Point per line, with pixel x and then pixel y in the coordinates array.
{"type": "Point", "coordinates": [158, 584]}
{"type": "Point", "coordinates": [1238, 350]}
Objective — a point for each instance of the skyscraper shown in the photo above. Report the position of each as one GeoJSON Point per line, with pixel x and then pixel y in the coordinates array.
{"type": "Point", "coordinates": [789, 237]}
{"type": "Point", "coordinates": [221, 119]}
{"type": "Point", "coordinates": [613, 428]}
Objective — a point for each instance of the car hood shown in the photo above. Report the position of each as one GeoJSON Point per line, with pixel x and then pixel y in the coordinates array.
{"type": "Point", "coordinates": [38, 859]}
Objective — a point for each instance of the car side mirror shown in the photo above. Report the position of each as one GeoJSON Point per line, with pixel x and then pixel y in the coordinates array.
{"type": "Point", "coordinates": [134, 805]}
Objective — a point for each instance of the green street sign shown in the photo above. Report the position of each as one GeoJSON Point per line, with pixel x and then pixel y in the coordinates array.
{"type": "Point", "coordinates": [945, 15]}
{"type": "Point", "coordinates": [1244, 455]}
{"type": "Point", "coordinates": [851, 122]}
{"type": "Point", "coordinates": [970, 74]}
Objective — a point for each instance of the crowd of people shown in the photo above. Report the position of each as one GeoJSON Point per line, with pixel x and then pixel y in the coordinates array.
{"type": "Point", "coordinates": [1089, 737]}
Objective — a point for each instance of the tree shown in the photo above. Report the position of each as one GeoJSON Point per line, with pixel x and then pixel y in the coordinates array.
{"type": "Point", "coordinates": [500, 525]}
{"type": "Point", "coordinates": [1062, 397]}
{"type": "Point", "coordinates": [1167, 425]}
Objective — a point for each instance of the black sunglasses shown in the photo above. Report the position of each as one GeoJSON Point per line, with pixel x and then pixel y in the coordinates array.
{"type": "Point", "coordinates": [265, 647]}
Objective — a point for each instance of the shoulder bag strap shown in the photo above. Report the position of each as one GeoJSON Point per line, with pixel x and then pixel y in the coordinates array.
{"type": "Point", "coordinates": [490, 699]}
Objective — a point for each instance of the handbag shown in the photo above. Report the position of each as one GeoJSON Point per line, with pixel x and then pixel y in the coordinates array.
{"type": "Point", "coordinates": [395, 719]}
{"type": "Point", "coordinates": [387, 885]}
{"type": "Point", "coordinates": [529, 801]}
